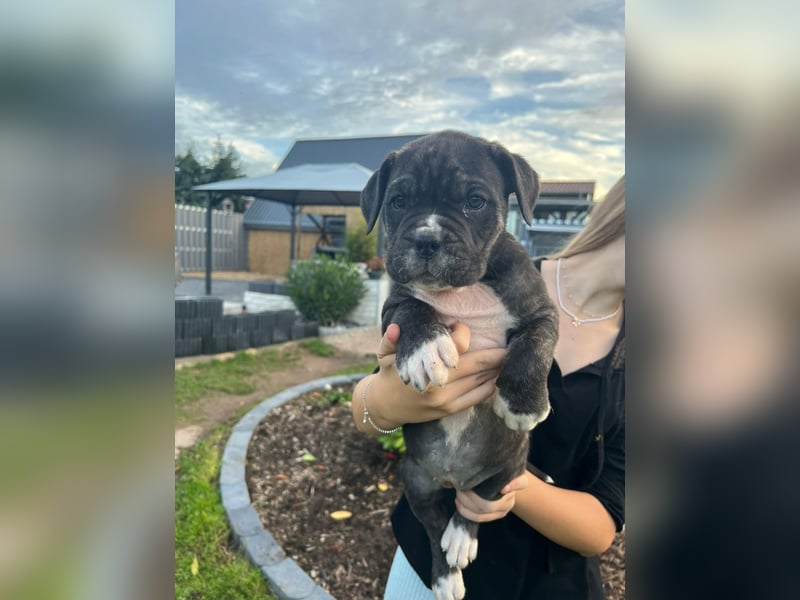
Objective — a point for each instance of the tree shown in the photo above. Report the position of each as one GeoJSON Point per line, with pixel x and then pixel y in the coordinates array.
{"type": "Point", "coordinates": [188, 172]}
{"type": "Point", "coordinates": [224, 163]}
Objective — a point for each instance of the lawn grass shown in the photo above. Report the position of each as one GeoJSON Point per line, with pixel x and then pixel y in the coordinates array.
{"type": "Point", "coordinates": [201, 528]}
{"type": "Point", "coordinates": [318, 347]}
{"type": "Point", "coordinates": [202, 532]}
{"type": "Point", "coordinates": [232, 376]}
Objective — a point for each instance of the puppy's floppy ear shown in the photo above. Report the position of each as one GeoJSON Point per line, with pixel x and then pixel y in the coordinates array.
{"type": "Point", "coordinates": [519, 178]}
{"type": "Point", "coordinates": [373, 193]}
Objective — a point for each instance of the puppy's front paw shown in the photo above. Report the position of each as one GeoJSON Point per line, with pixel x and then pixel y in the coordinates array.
{"type": "Point", "coordinates": [516, 420]}
{"type": "Point", "coordinates": [428, 363]}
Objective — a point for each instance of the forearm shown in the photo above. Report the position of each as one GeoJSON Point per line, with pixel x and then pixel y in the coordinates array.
{"type": "Point", "coordinates": [375, 401]}
{"type": "Point", "coordinates": [573, 519]}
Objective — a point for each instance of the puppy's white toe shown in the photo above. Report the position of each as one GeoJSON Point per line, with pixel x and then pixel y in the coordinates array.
{"type": "Point", "coordinates": [429, 363]}
{"type": "Point", "coordinates": [461, 548]}
{"type": "Point", "coordinates": [450, 587]}
{"type": "Point", "coordinates": [517, 421]}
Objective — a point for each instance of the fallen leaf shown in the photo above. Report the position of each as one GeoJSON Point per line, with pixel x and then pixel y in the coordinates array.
{"type": "Point", "coordinates": [195, 566]}
{"type": "Point", "coordinates": [341, 515]}
{"type": "Point", "coordinates": [383, 486]}
{"type": "Point", "coordinates": [308, 457]}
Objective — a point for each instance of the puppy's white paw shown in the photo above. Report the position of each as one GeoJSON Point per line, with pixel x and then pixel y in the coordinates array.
{"type": "Point", "coordinates": [450, 586]}
{"type": "Point", "coordinates": [517, 421]}
{"type": "Point", "coordinates": [429, 363]}
{"type": "Point", "coordinates": [461, 548]}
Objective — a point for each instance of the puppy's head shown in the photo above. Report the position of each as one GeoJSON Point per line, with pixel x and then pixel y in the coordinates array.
{"type": "Point", "coordinates": [443, 200]}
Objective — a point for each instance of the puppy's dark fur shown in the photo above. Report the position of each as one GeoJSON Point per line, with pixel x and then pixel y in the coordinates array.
{"type": "Point", "coordinates": [443, 200]}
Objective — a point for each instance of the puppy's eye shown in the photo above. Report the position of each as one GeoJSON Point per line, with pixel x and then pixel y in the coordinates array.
{"type": "Point", "coordinates": [475, 202]}
{"type": "Point", "coordinates": [398, 201]}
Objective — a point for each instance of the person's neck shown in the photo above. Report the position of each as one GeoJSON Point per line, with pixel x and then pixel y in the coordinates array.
{"type": "Point", "coordinates": [594, 282]}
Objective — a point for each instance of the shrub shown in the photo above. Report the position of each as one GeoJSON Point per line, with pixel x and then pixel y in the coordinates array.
{"type": "Point", "coordinates": [376, 263]}
{"type": "Point", "coordinates": [324, 290]}
{"type": "Point", "coordinates": [360, 245]}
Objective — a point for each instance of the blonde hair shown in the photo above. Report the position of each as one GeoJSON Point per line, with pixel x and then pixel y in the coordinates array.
{"type": "Point", "coordinates": [606, 224]}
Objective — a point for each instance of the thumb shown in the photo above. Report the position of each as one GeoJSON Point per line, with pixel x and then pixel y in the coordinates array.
{"type": "Point", "coordinates": [461, 337]}
{"type": "Point", "coordinates": [388, 343]}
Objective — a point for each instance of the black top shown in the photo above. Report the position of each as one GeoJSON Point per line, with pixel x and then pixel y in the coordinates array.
{"type": "Point", "coordinates": [581, 445]}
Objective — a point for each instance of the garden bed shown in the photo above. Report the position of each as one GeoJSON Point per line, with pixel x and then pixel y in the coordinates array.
{"type": "Point", "coordinates": [306, 462]}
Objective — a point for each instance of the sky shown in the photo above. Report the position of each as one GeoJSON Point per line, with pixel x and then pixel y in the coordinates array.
{"type": "Point", "coordinates": [544, 78]}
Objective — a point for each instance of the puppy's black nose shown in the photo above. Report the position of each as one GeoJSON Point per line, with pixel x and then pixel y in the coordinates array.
{"type": "Point", "coordinates": [427, 245]}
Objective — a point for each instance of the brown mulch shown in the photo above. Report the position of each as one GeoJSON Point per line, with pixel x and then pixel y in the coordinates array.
{"type": "Point", "coordinates": [307, 461]}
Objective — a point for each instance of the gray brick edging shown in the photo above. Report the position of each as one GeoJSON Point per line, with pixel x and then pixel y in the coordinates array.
{"type": "Point", "coordinates": [287, 580]}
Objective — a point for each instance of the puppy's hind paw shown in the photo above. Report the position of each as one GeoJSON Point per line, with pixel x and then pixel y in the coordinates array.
{"type": "Point", "coordinates": [459, 545]}
{"type": "Point", "coordinates": [517, 421]}
{"type": "Point", "coordinates": [450, 586]}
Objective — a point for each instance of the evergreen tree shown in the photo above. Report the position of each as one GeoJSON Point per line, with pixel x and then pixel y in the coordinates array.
{"type": "Point", "coordinates": [224, 163]}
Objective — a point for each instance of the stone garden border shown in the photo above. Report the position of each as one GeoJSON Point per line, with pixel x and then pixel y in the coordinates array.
{"type": "Point", "coordinates": [287, 580]}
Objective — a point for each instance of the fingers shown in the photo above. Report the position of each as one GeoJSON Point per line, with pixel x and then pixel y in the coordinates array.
{"type": "Point", "coordinates": [478, 362]}
{"type": "Point", "coordinates": [465, 393]}
{"type": "Point", "coordinates": [516, 484]}
{"type": "Point", "coordinates": [473, 507]}
{"type": "Point", "coordinates": [388, 343]}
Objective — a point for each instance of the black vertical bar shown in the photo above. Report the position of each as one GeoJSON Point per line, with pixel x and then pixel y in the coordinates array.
{"type": "Point", "coordinates": [292, 234]}
{"type": "Point", "coordinates": [209, 254]}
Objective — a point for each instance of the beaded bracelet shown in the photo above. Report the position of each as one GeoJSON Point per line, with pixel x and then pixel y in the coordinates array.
{"type": "Point", "coordinates": [368, 419]}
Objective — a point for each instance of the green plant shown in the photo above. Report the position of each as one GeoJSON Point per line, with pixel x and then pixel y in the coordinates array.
{"type": "Point", "coordinates": [393, 442]}
{"type": "Point", "coordinates": [359, 244]}
{"type": "Point", "coordinates": [332, 397]}
{"type": "Point", "coordinates": [324, 290]}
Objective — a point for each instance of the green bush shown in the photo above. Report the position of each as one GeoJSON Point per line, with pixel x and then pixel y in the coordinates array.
{"type": "Point", "coordinates": [359, 245]}
{"type": "Point", "coordinates": [324, 290]}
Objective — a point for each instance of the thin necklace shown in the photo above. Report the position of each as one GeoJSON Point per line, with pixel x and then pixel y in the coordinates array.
{"type": "Point", "coordinates": [575, 319]}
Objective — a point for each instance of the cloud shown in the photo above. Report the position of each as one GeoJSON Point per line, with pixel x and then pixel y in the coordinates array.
{"type": "Point", "coordinates": [540, 71]}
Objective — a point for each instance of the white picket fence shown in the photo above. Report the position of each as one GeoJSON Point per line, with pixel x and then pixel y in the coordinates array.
{"type": "Point", "coordinates": [228, 241]}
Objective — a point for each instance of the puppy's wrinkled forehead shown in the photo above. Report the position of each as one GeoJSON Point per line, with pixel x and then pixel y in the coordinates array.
{"type": "Point", "coordinates": [444, 165]}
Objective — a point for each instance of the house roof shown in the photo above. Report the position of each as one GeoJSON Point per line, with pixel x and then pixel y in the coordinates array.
{"type": "Point", "coordinates": [366, 151]}
{"type": "Point", "coordinates": [370, 151]}
{"type": "Point", "coordinates": [275, 216]}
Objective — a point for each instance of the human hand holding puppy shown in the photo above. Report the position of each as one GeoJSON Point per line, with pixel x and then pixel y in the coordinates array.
{"type": "Point", "coordinates": [392, 403]}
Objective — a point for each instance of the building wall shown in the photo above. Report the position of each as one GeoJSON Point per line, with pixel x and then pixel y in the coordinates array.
{"type": "Point", "coordinates": [268, 251]}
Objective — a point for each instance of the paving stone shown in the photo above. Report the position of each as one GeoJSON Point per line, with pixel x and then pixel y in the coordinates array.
{"type": "Point", "coordinates": [262, 549]}
{"type": "Point", "coordinates": [289, 581]}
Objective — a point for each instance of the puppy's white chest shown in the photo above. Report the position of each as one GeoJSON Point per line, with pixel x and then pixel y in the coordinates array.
{"type": "Point", "coordinates": [478, 307]}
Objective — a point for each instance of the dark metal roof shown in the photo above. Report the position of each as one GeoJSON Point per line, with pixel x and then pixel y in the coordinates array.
{"type": "Point", "coordinates": [366, 151]}
{"type": "Point", "coordinates": [266, 214]}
